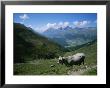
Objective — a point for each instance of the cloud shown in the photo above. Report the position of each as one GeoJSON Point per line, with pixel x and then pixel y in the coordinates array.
{"type": "Point", "coordinates": [30, 26]}
{"type": "Point", "coordinates": [65, 24]}
{"type": "Point", "coordinates": [56, 26]}
{"type": "Point", "coordinates": [60, 24]}
{"type": "Point", "coordinates": [81, 23]}
{"type": "Point", "coordinates": [40, 29]}
{"type": "Point", "coordinates": [51, 25]}
{"type": "Point", "coordinates": [24, 17]}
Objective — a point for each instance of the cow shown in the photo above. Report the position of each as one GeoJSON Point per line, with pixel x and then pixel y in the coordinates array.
{"type": "Point", "coordinates": [76, 59]}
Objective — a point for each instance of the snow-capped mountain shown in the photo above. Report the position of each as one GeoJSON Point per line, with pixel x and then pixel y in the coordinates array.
{"type": "Point", "coordinates": [69, 36]}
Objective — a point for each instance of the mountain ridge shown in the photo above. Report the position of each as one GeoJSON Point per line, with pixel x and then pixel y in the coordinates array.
{"type": "Point", "coordinates": [29, 45]}
{"type": "Point", "coordinates": [71, 36]}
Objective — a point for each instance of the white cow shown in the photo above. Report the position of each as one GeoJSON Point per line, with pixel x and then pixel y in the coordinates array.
{"type": "Point", "coordinates": [78, 58]}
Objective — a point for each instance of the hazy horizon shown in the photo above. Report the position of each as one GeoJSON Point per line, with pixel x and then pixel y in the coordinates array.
{"type": "Point", "coordinates": [40, 22]}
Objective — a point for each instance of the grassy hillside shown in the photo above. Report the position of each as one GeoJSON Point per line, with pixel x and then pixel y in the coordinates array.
{"type": "Point", "coordinates": [29, 45]}
{"type": "Point", "coordinates": [90, 52]}
{"type": "Point", "coordinates": [43, 67]}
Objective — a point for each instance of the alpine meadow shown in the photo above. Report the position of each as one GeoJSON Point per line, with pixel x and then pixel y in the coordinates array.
{"type": "Point", "coordinates": [55, 44]}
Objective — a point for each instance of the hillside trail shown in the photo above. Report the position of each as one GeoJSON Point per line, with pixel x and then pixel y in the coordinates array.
{"type": "Point", "coordinates": [80, 71]}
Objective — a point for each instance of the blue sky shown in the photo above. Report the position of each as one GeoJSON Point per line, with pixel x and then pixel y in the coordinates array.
{"type": "Point", "coordinates": [42, 21]}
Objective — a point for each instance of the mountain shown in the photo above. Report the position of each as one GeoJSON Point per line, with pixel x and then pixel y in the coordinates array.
{"type": "Point", "coordinates": [83, 45]}
{"type": "Point", "coordinates": [69, 37]}
{"type": "Point", "coordinates": [41, 67]}
{"type": "Point", "coordinates": [29, 45]}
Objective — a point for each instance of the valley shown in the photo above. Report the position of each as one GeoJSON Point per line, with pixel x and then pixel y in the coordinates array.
{"type": "Point", "coordinates": [34, 54]}
{"type": "Point", "coordinates": [71, 37]}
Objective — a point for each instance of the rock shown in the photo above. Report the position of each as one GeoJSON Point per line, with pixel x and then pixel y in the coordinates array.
{"type": "Point", "coordinates": [52, 65]}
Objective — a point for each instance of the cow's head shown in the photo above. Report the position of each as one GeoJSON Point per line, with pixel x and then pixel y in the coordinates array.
{"type": "Point", "coordinates": [61, 60]}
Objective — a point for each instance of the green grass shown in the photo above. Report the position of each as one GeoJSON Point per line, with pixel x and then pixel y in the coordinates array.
{"type": "Point", "coordinates": [43, 67]}
{"type": "Point", "coordinates": [40, 67]}
{"type": "Point", "coordinates": [90, 52]}
{"type": "Point", "coordinates": [92, 71]}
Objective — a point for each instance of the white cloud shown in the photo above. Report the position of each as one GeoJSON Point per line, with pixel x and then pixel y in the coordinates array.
{"type": "Point", "coordinates": [56, 26]}
{"type": "Point", "coordinates": [81, 23]}
{"type": "Point", "coordinates": [65, 24]}
{"type": "Point", "coordinates": [30, 26]}
{"type": "Point", "coordinates": [24, 17]}
{"type": "Point", "coordinates": [51, 25]}
{"type": "Point", "coordinates": [60, 24]}
{"type": "Point", "coordinates": [41, 29]}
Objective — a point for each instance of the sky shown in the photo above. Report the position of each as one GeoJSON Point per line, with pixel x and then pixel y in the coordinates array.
{"type": "Point", "coordinates": [40, 22]}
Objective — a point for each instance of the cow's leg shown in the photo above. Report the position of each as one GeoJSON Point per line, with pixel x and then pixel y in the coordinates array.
{"type": "Point", "coordinates": [79, 63]}
{"type": "Point", "coordinates": [83, 61]}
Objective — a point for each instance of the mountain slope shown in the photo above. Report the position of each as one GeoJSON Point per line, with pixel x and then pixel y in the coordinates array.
{"type": "Point", "coordinates": [29, 45]}
{"type": "Point", "coordinates": [90, 51]}
{"type": "Point", "coordinates": [69, 36]}
{"type": "Point", "coordinates": [42, 67]}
